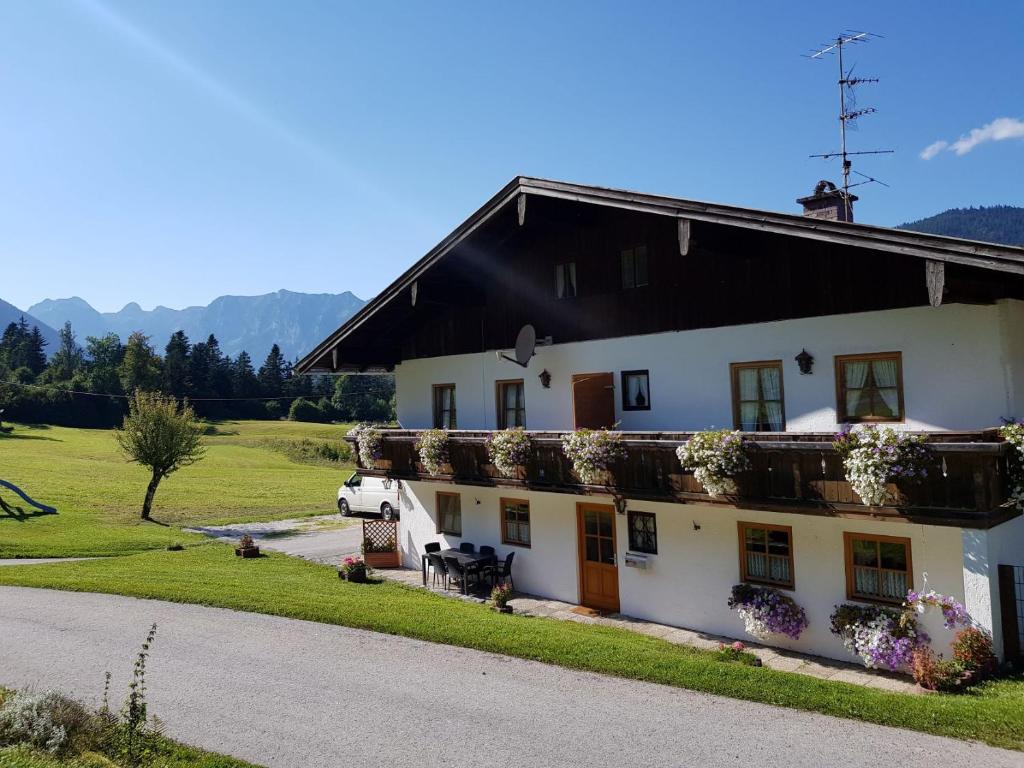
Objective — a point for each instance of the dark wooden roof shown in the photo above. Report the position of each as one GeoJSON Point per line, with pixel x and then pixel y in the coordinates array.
{"type": "Point", "coordinates": [500, 210]}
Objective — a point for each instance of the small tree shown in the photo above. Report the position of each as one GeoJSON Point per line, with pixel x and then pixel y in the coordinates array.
{"type": "Point", "coordinates": [160, 435]}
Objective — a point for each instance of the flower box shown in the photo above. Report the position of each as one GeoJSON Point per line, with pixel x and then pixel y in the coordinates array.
{"type": "Point", "coordinates": [383, 559]}
{"type": "Point", "coordinates": [357, 576]}
{"type": "Point", "coordinates": [247, 551]}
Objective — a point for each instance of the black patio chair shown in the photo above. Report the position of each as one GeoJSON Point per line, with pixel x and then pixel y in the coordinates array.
{"type": "Point", "coordinates": [436, 562]}
{"type": "Point", "coordinates": [486, 550]}
{"type": "Point", "coordinates": [467, 547]}
{"type": "Point", "coordinates": [502, 571]}
{"type": "Point", "coordinates": [456, 572]}
{"type": "Point", "coordinates": [432, 546]}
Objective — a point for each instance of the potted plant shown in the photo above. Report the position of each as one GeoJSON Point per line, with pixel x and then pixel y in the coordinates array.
{"type": "Point", "coordinates": [353, 569]}
{"type": "Point", "coordinates": [370, 443]}
{"type": "Point", "coordinates": [882, 637]}
{"type": "Point", "coordinates": [874, 457]}
{"type": "Point", "coordinates": [433, 449]}
{"type": "Point", "coordinates": [501, 594]}
{"type": "Point", "coordinates": [1013, 433]}
{"type": "Point", "coordinates": [592, 452]}
{"type": "Point", "coordinates": [715, 458]}
{"type": "Point", "coordinates": [509, 451]}
{"type": "Point", "coordinates": [383, 554]}
{"type": "Point", "coordinates": [766, 612]}
{"type": "Point", "coordinates": [247, 547]}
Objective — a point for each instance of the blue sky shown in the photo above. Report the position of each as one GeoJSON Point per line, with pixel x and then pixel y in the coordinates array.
{"type": "Point", "coordinates": [170, 152]}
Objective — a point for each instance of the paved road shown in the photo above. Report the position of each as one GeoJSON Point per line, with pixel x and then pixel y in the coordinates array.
{"type": "Point", "coordinates": [296, 694]}
{"type": "Point", "coordinates": [321, 545]}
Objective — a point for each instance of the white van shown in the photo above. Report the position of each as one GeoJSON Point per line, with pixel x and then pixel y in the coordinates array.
{"type": "Point", "coordinates": [368, 494]}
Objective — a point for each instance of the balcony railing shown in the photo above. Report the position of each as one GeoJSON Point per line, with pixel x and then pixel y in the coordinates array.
{"type": "Point", "coordinates": [790, 472]}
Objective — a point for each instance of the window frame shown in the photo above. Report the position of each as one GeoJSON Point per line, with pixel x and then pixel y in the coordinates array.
{"type": "Point", "coordinates": [851, 593]}
{"type": "Point", "coordinates": [440, 517]}
{"type": "Point", "coordinates": [529, 522]}
{"type": "Point", "coordinates": [630, 514]}
{"type": "Point", "coordinates": [499, 400]}
{"type": "Point", "coordinates": [625, 390]}
{"type": "Point", "coordinates": [435, 406]}
{"type": "Point", "coordinates": [842, 417]}
{"type": "Point", "coordinates": [741, 528]}
{"type": "Point", "coordinates": [632, 251]}
{"type": "Point", "coordinates": [734, 376]}
{"type": "Point", "coordinates": [564, 269]}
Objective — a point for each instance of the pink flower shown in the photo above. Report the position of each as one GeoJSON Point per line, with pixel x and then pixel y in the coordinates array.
{"type": "Point", "coordinates": [738, 646]}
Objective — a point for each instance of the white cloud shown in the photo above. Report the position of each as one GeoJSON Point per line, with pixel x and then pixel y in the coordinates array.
{"type": "Point", "coordinates": [933, 149]}
{"type": "Point", "coordinates": [1000, 129]}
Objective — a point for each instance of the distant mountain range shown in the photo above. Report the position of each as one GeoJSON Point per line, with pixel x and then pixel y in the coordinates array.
{"type": "Point", "coordinates": [11, 314]}
{"type": "Point", "coordinates": [295, 321]}
{"type": "Point", "coordinates": [998, 224]}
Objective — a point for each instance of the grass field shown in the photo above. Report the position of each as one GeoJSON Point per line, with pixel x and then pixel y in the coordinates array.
{"type": "Point", "coordinates": [290, 587]}
{"type": "Point", "coordinates": [247, 474]}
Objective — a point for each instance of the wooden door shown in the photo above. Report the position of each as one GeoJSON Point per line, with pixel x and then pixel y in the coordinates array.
{"type": "Point", "coordinates": [599, 571]}
{"type": "Point", "coordinates": [593, 400]}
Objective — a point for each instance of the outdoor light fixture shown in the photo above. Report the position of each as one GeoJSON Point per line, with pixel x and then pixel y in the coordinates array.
{"type": "Point", "coordinates": [620, 504]}
{"type": "Point", "coordinates": [805, 360]}
{"type": "Point", "coordinates": [545, 379]}
{"type": "Point", "coordinates": [386, 482]}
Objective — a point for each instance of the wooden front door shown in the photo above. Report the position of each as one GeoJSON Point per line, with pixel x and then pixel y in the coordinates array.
{"type": "Point", "coordinates": [599, 572]}
{"type": "Point", "coordinates": [593, 400]}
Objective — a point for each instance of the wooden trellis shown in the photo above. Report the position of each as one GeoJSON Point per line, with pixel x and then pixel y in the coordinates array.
{"type": "Point", "coordinates": [380, 543]}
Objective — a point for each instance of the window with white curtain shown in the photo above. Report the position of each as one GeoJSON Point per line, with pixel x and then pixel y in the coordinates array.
{"type": "Point", "coordinates": [444, 406]}
{"type": "Point", "coordinates": [878, 568]}
{"type": "Point", "coordinates": [511, 404]}
{"type": "Point", "coordinates": [766, 554]}
{"type": "Point", "coordinates": [758, 402]}
{"type": "Point", "coordinates": [449, 513]}
{"type": "Point", "coordinates": [869, 387]}
{"type": "Point", "coordinates": [636, 391]}
{"type": "Point", "coordinates": [565, 280]}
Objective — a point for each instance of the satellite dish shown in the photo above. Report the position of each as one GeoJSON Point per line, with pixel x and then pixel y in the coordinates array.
{"type": "Point", "coordinates": [526, 341]}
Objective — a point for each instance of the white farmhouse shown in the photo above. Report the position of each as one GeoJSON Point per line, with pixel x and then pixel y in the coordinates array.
{"type": "Point", "coordinates": [658, 317]}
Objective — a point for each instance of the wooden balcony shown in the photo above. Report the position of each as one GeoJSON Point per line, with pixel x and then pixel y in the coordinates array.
{"type": "Point", "coordinates": [791, 472]}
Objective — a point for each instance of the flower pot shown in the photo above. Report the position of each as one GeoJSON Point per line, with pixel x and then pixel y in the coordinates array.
{"type": "Point", "coordinates": [503, 608]}
{"type": "Point", "coordinates": [382, 559]}
{"type": "Point", "coordinates": [247, 551]}
{"type": "Point", "coordinates": [356, 577]}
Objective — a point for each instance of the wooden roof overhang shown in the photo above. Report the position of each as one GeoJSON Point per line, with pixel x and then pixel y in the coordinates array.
{"type": "Point", "coordinates": [362, 343]}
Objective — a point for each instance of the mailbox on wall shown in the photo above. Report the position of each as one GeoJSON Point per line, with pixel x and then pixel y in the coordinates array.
{"type": "Point", "coordinates": [636, 561]}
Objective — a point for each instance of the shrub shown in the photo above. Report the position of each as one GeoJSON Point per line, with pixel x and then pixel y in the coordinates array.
{"type": "Point", "coordinates": [246, 542]}
{"type": "Point", "coordinates": [933, 672]}
{"type": "Point", "coordinates": [767, 612]}
{"type": "Point", "coordinates": [715, 458]}
{"type": "Point", "coordinates": [501, 594]}
{"type": "Point", "coordinates": [274, 409]}
{"type": "Point", "coordinates": [973, 649]}
{"type": "Point", "coordinates": [48, 721]}
{"type": "Point", "coordinates": [592, 451]}
{"type": "Point", "coordinates": [433, 449]}
{"type": "Point", "coordinates": [736, 652]}
{"type": "Point", "coordinates": [508, 449]}
{"type": "Point", "coordinates": [304, 410]}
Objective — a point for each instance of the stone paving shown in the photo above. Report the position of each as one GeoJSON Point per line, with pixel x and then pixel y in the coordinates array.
{"type": "Point", "coordinates": [773, 658]}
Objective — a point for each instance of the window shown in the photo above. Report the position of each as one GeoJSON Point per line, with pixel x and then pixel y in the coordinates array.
{"type": "Point", "coordinates": [449, 513]}
{"type": "Point", "coordinates": [634, 267]}
{"type": "Point", "coordinates": [511, 404]}
{"type": "Point", "coordinates": [766, 554]}
{"type": "Point", "coordinates": [757, 399]}
{"type": "Point", "coordinates": [643, 532]}
{"type": "Point", "coordinates": [515, 522]}
{"type": "Point", "coordinates": [565, 280]}
{"type": "Point", "coordinates": [636, 391]}
{"type": "Point", "coordinates": [878, 568]}
{"type": "Point", "coordinates": [869, 387]}
{"type": "Point", "coordinates": [444, 406]}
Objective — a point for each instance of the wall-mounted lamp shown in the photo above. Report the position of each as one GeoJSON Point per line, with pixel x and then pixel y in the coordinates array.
{"type": "Point", "coordinates": [696, 525]}
{"type": "Point", "coordinates": [386, 482]}
{"type": "Point", "coordinates": [545, 379]}
{"type": "Point", "coordinates": [620, 504]}
{"type": "Point", "coordinates": [805, 360]}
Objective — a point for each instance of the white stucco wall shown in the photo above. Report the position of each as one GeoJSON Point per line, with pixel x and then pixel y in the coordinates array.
{"type": "Point", "coordinates": [688, 582]}
{"type": "Point", "coordinates": [963, 368]}
{"type": "Point", "coordinates": [983, 552]}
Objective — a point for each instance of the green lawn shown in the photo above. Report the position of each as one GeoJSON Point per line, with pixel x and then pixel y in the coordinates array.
{"type": "Point", "coordinates": [285, 586]}
{"type": "Point", "coordinates": [246, 475]}
{"type": "Point", "coordinates": [168, 754]}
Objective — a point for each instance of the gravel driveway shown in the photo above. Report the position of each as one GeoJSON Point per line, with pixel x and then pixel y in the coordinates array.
{"type": "Point", "coordinates": [281, 692]}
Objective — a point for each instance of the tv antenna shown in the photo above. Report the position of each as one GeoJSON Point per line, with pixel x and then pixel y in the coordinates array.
{"type": "Point", "coordinates": [849, 112]}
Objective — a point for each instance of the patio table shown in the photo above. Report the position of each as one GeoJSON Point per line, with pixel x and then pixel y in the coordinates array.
{"type": "Point", "coordinates": [466, 560]}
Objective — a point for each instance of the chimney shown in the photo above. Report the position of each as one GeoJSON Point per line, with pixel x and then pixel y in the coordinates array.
{"type": "Point", "coordinates": [828, 202]}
